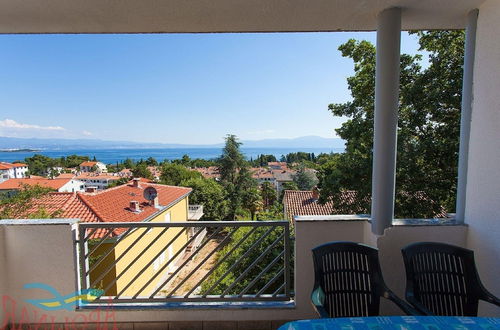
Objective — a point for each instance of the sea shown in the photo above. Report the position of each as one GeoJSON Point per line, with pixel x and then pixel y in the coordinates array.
{"type": "Point", "coordinates": [112, 156]}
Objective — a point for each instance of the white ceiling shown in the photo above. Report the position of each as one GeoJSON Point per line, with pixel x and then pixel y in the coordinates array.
{"type": "Point", "coordinates": [150, 16]}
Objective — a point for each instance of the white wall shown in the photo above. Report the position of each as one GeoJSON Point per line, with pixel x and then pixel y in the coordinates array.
{"type": "Point", "coordinates": [3, 275]}
{"type": "Point", "coordinates": [309, 234]}
{"type": "Point", "coordinates": [43, 251]}
{"type": "Point", "coordinates": [482, 209]}
{"type": "Point", "coordinates": [73, 186]}
{"type": "Point", "coordinates": [397, 237]}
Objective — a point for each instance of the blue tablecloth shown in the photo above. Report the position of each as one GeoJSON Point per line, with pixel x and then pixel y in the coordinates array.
{"type": "Point", "coordinates": [396, 322]}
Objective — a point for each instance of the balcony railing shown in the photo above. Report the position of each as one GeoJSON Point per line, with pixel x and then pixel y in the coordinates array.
{"type": "Point", "coordinates": [185, 262]}
{"type": "Point", "coordinates": [195, 212]}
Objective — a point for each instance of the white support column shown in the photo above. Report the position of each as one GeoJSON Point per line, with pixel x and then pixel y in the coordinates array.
{"type": "Point", "coordinates": [386, 118]}
{"type": "Point", "coordinates": [465, 118]}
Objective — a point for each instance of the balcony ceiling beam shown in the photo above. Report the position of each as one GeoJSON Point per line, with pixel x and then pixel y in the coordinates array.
{"type": "Point", "coordinates": [171, 16]}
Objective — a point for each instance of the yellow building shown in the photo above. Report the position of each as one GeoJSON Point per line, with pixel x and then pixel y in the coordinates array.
{"type": "Point", "coordinates": [130, 261]}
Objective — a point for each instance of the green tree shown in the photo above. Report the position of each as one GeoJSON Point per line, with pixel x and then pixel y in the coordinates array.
{"type": "Point", "coordinates": [305, 179]}
{"type": "Point", "coordinates": [151, 162]}
{"type": "Point", "coordinates": [39, 164]}
{"type": "Point", "coordinates": [268, 194]}
{"type": "Point", "coordinates": [252, 201]}
{"type": "Point", "coordinates": [428, 132]}
{"type": "Point", "coordinates": [235, 175]}
{"type": "Point", "coordinates": [26, 203]}
{"type": "Point", "coordinates": [128, 163]}
{"type": "Point", "coordinates": [211, 195]}
{"type": "Point", "coordinates": [73, 160]}
{"type": "Point", "coordinates": [174, 174]}
{"type": "Point", "coordinates": [142, 171]}
{"type": "Point", "coordinates": [232, 160]}
{"type": "Point", "coordinates": [223, 278]}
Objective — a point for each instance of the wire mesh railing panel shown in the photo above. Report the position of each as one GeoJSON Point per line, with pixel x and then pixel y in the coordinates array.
{"type": "Point", "coordinates": [185, 261]}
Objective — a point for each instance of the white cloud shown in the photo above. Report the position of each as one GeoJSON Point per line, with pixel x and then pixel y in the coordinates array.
{"type": "Point", "coordinates": [86, 133]}
{"type": "Point", "coordinates": [9, 123]}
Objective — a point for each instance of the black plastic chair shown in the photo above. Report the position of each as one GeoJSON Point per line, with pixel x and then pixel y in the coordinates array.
{"type": "Point", "coordinates": [348, 281]}
{"type": "Point", "coordinates": [442, 279]}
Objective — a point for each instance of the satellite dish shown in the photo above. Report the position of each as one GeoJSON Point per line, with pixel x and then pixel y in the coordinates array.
{"type": "Point", "coordinates": [150, 193]}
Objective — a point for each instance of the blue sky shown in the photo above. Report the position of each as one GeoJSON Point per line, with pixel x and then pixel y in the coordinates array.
{"type": "Point", "coordinates": [174, 88]}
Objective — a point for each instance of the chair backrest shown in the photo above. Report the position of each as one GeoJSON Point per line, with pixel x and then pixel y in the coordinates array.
{"type": "Point", "coordinates": [442, 277]}
{"type": "Point", "coordinates": [349, 275]}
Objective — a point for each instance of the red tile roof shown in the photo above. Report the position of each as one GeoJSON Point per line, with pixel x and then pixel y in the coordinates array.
{"type": "Point", "coordinates": [6, 166]}
{"type": "Point", "coordinates": [112, 205]}
{"type": "Point", "coordinates": [211, 172]}
{"type": "Point", "coordinates": [13, 184]}
{"type": "Point", "coordinates": [69, 205]}
{"type": "Point", "coordinates": [303, 203]}
{"type": "Point", "coordinates": [65, 176]}
{"type": "Point", "coordinates": [89, 164]}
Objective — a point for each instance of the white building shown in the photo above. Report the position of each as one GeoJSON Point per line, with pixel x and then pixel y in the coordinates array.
{"type": "Point", "coordinates": [100, 181]}
{"type": "Point", "coordinates": [12, 171]}
{"type": "Point", "coordinates": [98, 167]}
{"type": "Point", "coordinates": [58, 184]}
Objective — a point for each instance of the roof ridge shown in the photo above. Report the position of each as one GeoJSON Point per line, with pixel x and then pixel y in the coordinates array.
{"type": "Point", "coordinates": [65, 205]}
{"type": "Point", "coordinates": [88, 204]}
{"type": "Point", "coordinates": [166, 185]}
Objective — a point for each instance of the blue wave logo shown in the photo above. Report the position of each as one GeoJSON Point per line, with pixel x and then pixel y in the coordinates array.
{"type": "Point", "coordinates": [59, 301]}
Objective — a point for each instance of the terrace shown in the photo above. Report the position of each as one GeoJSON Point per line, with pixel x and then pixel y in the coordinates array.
{"type": "Point", "coordinates": [54, 251]}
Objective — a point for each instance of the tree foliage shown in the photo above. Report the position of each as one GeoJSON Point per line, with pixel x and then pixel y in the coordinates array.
{"type": "Point", "coordinates": [268, 194]}
{"type": "Point", "coordinates": [242, 253]}
{"type": "Point", "coordinates": [235, 176]}
{"type": "Point", "coordinates": [25, 204]}
{"type": "Point", "coordinates": [142, 171]}
{"type": "Point", "coordinates": [174, 174]}
{"type": "Point", "coordinates": [305, 179]}
{"type": "Point", "coordinates": [428, 127]}
{"type": "Point", "coordinates": [211, 195]}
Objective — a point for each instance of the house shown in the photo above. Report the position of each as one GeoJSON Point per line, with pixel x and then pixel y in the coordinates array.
{"type": "Point", "coordinates": [282, 177]}
{"type": "Point", "coordinates": [125, 173]}
{"type": "Point", "coordinates": [305, 203]}
{"type": "Point", "coordinates": [127, 203]}
{"type": "Point", "coordinates": [100, 181]}
{"type": "Point", "coordinates": [211, 172]}
{"type": "Point", "coordinates": [277, 165]}
{"type": "Point", "coordinates": [263, 175]}
{"type": "Point", "coordinates": [155, 172]}
{"type": "Point", "coordinates": [58, 184]}
{"type": "Point", "coordinates": [93, 166]}
{"type": "Point", "coordinates": [12, 171]}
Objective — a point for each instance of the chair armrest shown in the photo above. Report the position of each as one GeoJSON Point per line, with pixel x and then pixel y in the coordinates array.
{"type": "Point", "coordinates": [403, 305]}
{"type": "Point", "coordinates": [488, 297]}
{"type": "Point", "coordinates": [318, 299]}
{"type": "Point", "coordinates": [418, 306]}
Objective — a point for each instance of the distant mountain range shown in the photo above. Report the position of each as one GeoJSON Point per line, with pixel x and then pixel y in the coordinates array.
{"type": "Point", "coordinates": [9, 143]}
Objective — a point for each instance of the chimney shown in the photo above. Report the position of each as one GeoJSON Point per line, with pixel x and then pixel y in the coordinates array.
{"type": "Point", "coordinates": [315, 193]}
{"type": "Point", "coordinates": [136, 182]}
{"type": "Point", "coordinates": [155, 202]}
{"type": "Point", "coordinates": [134, 206]}
{"type": "Point", "coordinates": [91, 189]}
